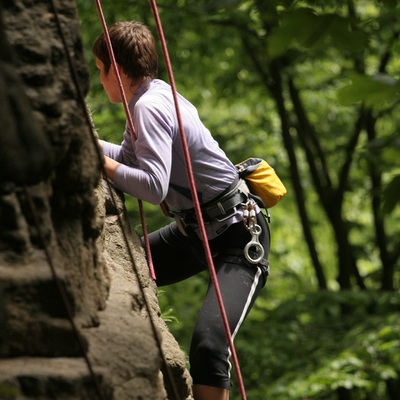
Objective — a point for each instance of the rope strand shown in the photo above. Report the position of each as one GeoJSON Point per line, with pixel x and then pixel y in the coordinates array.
{"type": "Point", "coordinates": [130, 124]}
{"type": "Point", "coordinates": [196, 200]}
{"type": "Point", "coordinates": [113, 199]}
{"type": "Point", "coordinates": [144, 228]}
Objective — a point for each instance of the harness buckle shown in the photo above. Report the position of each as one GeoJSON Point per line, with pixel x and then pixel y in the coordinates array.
{"type": "Point", "coordinates": [226, 216]}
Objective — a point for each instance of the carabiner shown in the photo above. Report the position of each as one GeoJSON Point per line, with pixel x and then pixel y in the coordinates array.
{"type": "Point", "coordinates": [255, 231]}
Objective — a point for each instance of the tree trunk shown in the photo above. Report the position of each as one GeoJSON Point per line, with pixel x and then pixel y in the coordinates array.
{"type": "Point", "coordinates": [276, 89]}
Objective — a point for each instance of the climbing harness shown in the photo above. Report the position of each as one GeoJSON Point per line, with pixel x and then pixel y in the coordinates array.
{"type": "Point", "coordinates": [219, 209]}
{"type": "Point", "coordinates": [249, 220]}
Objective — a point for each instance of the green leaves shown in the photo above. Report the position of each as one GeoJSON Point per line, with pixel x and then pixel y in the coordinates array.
{"type": "Point", "coordinates": [391, 195]}
{"type": "Point", "coordinates": [303, 30]}
{"type": "Point", "coordinates": [313, 357]}
{"type": "Point", "coordinates": [377, 91]}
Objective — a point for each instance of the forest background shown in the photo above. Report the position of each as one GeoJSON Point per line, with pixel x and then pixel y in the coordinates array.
{"type": "Point", "coordinates": [312, 87]}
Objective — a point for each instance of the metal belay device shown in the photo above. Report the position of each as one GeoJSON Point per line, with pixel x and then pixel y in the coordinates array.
{"type": "Point", "coordinates": [249, 219]}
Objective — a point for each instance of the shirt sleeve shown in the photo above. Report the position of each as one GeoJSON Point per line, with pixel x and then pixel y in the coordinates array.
{"type": "Point", "coordinates": [112, 150]}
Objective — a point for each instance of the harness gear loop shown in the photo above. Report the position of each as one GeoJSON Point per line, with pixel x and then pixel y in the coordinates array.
{"type": "Point", "coordinates": [249, 219]}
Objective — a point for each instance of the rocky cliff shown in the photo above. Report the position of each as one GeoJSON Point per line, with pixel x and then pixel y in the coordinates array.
{"type": "Point", "coordinates": [79, 316]}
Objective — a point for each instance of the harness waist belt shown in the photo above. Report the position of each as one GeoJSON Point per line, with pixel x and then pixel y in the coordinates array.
{"type": "Point", "coordinates": [219, 209]}
{"type": "Point", "coordinates": [224, 208]}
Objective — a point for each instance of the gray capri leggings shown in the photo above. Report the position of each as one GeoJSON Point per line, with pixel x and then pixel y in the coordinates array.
{"type": "Point", "coordinates": [177, 257]}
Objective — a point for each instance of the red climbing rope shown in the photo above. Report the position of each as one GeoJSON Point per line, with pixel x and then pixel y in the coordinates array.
{"type": "Point", "coordinates": [189, 173]}
{"type": "Point", "coordinates": [130, 124]}
{"type": "Point", "coordinates": [196, 200]}
{"type": "Point", "coordinates": [167, 369]}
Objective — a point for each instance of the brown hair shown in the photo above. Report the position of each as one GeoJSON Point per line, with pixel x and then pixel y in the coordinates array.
{"type": "Point", "coordinates": [134, 50]}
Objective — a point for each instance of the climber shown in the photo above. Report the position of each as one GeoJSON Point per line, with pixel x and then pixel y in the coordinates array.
{"type": "Point", "coordinates": [149, 165]}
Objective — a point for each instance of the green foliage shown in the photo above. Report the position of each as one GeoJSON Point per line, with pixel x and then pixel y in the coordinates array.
{"type": "Point", "coordinates": [323, 32]}
{"type": "Point", "coordinates": [9, 392]}
{"type": "Point", "coordinates": [310, 348]}
{"type": "Point", "coordinates": [167, 314]}
{"type": "Point", "coordinates": [377, 91]}
{"type": "Point", "coordinates": [391, 195]}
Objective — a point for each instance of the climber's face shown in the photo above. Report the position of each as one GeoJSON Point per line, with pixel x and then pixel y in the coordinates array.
{"type": "Point", "coordinates": [110, 82]}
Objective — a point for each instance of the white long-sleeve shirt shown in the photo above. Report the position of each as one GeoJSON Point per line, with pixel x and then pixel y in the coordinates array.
{"type": "Point", "coordinates": [153, 166]}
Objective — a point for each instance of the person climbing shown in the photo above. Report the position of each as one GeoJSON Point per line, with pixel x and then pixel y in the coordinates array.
{"type": "Point", "coordinates": [150, 165]}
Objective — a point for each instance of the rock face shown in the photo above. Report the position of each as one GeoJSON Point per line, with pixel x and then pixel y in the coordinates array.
{"type": "Point", "coordinates": [79, 316]}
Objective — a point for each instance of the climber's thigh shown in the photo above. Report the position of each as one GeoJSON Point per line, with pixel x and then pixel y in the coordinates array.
{"type": "Point", "coordinates": [175, 256]}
